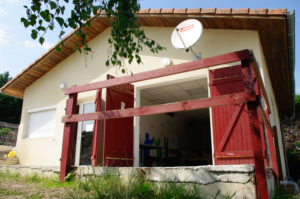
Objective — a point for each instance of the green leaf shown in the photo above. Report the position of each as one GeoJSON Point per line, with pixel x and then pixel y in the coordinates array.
{"type": "Point", "coordinates": [52, 5]}
{"type": "Point", "coordinates": [41, 28]}
{"type": "Point", "coordinates": [57, 11]}
{"type": "Point", "coordinates": [41, 40]}
{"type": "Point", "coordinates": [34, 34]}
{"type": "Point", "coordinates": [33, 18]}
{"type": "Point", "coordinates": [62, 8]}
{"type": "Point", "coordinates": [57, 48]}
{"type": "Point", "coordinates": [60, 21]}
{"type": "Point", "coordinates": [25, 22]}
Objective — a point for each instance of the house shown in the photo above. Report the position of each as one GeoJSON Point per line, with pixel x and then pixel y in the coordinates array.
{"type": "Point", "coordinates": [245, 71]}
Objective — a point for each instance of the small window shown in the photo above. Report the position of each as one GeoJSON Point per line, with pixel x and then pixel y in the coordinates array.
{"type": "Point", "coordinates": [41, 122]}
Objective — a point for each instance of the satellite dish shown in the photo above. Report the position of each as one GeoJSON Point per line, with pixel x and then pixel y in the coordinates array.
{"type": "Point", "coordinates": [187, 33]}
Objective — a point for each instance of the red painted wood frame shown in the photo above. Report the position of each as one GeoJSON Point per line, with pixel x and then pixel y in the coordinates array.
{"type": "Point", "coordinates": [180, 68]}
{"type": "Point", "coordinates": [237, 98]}
{"type": "Point", "coordinates": [260, 172]}
{"type": "Point", "coordinates": [68, 138]}
{"type": "Point", "coordinates": [94, 153]}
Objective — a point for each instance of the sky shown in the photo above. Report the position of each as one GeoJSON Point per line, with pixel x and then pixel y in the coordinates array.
{"type": "Point", "coordinates": [18, 50]}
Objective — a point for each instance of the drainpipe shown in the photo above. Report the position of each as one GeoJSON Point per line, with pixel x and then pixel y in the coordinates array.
{"type": "Point", "coordinates": [291, 62]}
{"type": "Point", "coordinates": [290, 26]}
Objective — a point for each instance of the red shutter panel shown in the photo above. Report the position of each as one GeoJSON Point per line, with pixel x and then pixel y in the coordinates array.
{"type": "Point", "coordinates": [231, 124]}
{"type": "Point", "coordinates": [118, 133]}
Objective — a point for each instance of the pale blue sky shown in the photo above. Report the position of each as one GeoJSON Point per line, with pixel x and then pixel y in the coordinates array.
{"type": "Point", "coordinates": [17, 50]}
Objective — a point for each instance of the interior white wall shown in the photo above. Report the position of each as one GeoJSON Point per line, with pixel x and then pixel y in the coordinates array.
{"type": "Point", "coordinates": [161, 126]}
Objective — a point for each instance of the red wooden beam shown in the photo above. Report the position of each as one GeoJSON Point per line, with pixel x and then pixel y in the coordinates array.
{"type": "Point", "coordinates": [234, 154]}
{"type": "Point", "coordinates": [277, 154]}
{"type": "Point", "coordinates": [260, 172]}
{"type": "Point", "coordinates": [236, 98]}
{"type": "Point", "coordinates": [255, 68]}
{"type": "Point", "coordinates": [69, 128]}
{"type": "Point", "coordinates": [270, 135]}
{"type": "Point", "coordinates": [94, 153]}
{"type": "Point", "coordinates": [185, 67]}
{"type": "Point", "coordinates": [265, 120]}
{"type": "Point", "coordinates": [248, 82]}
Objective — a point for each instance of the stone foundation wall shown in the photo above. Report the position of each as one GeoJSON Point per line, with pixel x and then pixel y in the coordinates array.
{"type": "Point", "coordinates": [229, 179]}
{"type": "Point", "coordinates": [52, 172]}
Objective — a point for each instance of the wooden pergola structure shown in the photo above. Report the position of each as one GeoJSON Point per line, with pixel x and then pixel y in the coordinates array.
{"type": "Point", "coordinates": [254, 92]}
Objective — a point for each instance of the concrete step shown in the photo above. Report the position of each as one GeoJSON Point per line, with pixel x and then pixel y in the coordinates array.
{"type": "Point", "coordinates": [8, 161]}
{"type": "Point", "coordinates": [4, 150]}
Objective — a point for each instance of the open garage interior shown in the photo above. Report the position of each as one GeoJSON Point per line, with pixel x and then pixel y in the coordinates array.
{"type": "Point", "coordinates": [177, 138]}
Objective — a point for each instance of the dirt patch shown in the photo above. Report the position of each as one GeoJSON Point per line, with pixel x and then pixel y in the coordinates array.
{"type": "Point", "coordinates": [11, 189]}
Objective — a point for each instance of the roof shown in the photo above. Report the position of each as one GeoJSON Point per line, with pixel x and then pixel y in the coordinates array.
{"type": "Point", "coordinates": [265, 21]}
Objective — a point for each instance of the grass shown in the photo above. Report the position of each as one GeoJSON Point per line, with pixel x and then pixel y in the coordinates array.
{"type": "Point", "coordinates": [109, 186]}
{"type": "Point", "coordinates": [43, 182]}
{"type": "Point", "coordinates": [281, 193]}
{"type": "Point", "coordinates": [5, 192]}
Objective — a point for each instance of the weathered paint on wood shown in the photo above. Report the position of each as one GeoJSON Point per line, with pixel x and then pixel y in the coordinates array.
{"type": "Point", "coordinates": [256, 71]}
{"type": "Point", "coordinates": [270, 136]}
{"type": "Point", "coordinates": [118, 133]}
{"type": "Point", "coordinates": [236, 98]}
{"type": "Point", "coordinates": [69, 128]}
{"type": "Point", "coordinates": [231, 127]}
{"type": "Point", "coordinates": [277, 154]}
{"type": "Point", "coordinates": [260, 172]}
{"type": "Point", "coordinates": [95, 145]}
{"type": "Point", "coordinates": [180, 68]}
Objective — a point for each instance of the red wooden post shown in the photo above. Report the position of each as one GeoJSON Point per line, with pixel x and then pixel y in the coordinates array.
{"type": "Point", "coordinates": [277, 153]}
{"type": "Point", "coordinates": [69, 128]}
{"type": "Point", "coordinates": [248, 83]}
{"type": "Point", "coordinates": [270, 135]}
{"type": "Point", "coordinates": [260, 172]}
{"type": "Point", "coordinates": [94, 153]}
{"type": "Point", "coordinates": [263, 138]}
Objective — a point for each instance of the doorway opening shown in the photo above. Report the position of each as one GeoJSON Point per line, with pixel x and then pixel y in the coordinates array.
{"type": "Point", "coordinates": [177, 138]}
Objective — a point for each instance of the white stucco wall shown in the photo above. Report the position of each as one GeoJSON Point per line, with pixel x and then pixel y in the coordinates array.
{"type": "Point", "coordinates": [80, 69]}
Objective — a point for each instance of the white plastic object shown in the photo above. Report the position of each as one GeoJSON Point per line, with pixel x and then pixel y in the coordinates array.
{"type": "Point", "coordinates": [187, 33]}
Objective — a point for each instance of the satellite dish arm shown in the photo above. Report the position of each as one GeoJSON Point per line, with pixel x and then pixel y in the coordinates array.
{"type": "Point", "coordinates": [186, 49]}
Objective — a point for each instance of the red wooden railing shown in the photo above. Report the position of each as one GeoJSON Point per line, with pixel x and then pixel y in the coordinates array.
{"type": "Point", "coordinates": [249, 95]}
